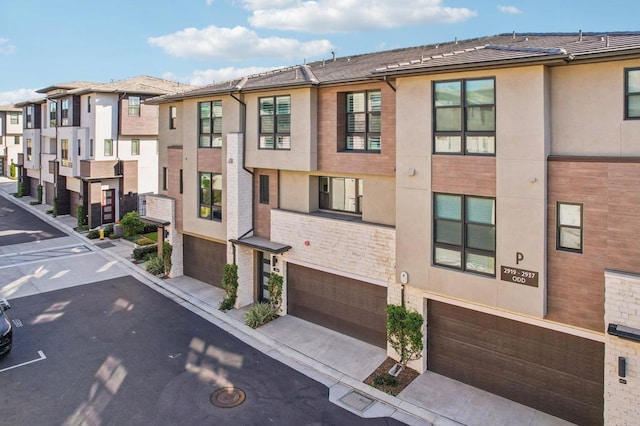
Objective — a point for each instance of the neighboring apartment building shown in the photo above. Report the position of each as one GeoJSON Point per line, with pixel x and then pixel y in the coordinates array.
{"type": "Point", "coordinates": [10, 138]}
{"type": "Point", "coordinates": [490, 184]}
{"type": "Point", "coordinates": [94, 145]}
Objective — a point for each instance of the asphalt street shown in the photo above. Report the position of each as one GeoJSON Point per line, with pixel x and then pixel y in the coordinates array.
{"type": "Point", "coordinates": [119, 353]}
{"type": "Point", "coordinates": [19, 226]}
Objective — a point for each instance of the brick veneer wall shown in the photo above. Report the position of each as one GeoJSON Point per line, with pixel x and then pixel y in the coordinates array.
{"type": "Point", "coordinates": [359, 250]}
{"type": "Point", "coordinates": [622, 306]}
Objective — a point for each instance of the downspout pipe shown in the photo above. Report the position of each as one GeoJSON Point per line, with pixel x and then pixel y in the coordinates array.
{"type": "Point", "coordinates": [244, 165]}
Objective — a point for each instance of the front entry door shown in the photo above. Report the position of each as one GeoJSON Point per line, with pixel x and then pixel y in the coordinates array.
{"type": "Point", "coordinates": [265, 273]}
{"type": "Point", "coordinates": [108, 205]}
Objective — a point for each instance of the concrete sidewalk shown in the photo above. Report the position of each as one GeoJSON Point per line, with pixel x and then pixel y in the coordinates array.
{"type": "Point", "coordinates": [338, 361]}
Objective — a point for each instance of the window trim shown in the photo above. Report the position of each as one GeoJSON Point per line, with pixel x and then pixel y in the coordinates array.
{"type": "Point", "coordinates": [29, 119]}
{"type": "Point", "coordinates": [559, 227]}
{"type": "Point", "coordinates": [14, 117]}
{"type": "Point", "coordinates": [463, 132]}
{"type": "Point", "coordinates": [135, 151]}
{"type": "Point", "coordinates": [109, 143]}
{"type": "Point", "coordinates": [264, 189]}
{"type": "Point", "coordinates": [53, 114]}
{"type": "Point", "coordinates": [358, 198]}
{"type": "Point", "coordinates": [88, 104]}
{"type": "Point", "coordinates": [275, 134]}
{"type": "Point", "coordinates": [212, 120]}
{"type": "Point", "coordinates": [367, 115]}
{"type": "Point", "coordinates": [463, 247]}
{"type": "Point", "coordinates": [64, 153]}
{"type": "Point", "coordinates": [164, 178]}
{"type": "Point", "coordinates": [64, 112]}
{"type": "Point", "coordinates": [29, 150]}
{"type": "Point", "coordinates": [627, 94]}
{"type": "Point", "coordinates": [134, 110]}
{"type": "Point", "coordinates": [173, 115]}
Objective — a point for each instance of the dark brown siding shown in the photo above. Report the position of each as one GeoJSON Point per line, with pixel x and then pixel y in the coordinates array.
{"type": "Point", "coordinates": [331, 123]}
{"type": "Point", "coordinates": [90, 168]}
{"type": "Point", "coordinates": [63, 201]}
{"type": "Point", "coordinates": [263, 211]}
{"type": "Point", "coordinates": [348, 306]}
{"type": "Point", "coordinates": [464, 174]}
{"type": "Point", "coordinates": [547, 370]}
{"type": "Point", "coordinates": [204, 260]}
{"type": "Point", "coordinates": [611, 230]}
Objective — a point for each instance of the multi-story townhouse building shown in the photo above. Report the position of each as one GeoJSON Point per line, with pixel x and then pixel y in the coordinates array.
{"type": "Point", "coordinates": [489, 184]}
{"type": "Point", "coordinates": [94, 145]}
{"type": "Point", "coordinates": [10, 138]}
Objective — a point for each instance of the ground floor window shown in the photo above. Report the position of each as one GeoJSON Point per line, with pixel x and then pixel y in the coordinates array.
{"type": "Point", "coordinates": [210, 195]}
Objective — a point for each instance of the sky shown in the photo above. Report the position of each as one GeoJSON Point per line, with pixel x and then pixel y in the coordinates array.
{"type": "Point", "coordinates": [43, 43]}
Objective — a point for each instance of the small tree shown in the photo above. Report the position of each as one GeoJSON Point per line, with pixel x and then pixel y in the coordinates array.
{"type": "Point", "coordinates": [80, 217]}
{"type": "Point", "coordinates": [230, 286]}
{"type": "Point", "coordinates": [39, 194]}
{"type": "Point", "coordinates": [12, 170]}
{"type": "Point", "coordinates": [20, 192]}
{"type": "Point", "coordinates": [54, 211]}
{"type": "Point", "coordinates": [167, 249]}
{"type": "Point", "coordinates": [404, 333]}
{"type": "Point", "coordinates": [275, 290]}
{"type": "Point", "coordinates": [132, 224]}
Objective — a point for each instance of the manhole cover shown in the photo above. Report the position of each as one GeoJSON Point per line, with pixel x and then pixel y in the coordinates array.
{"type": "Point", "coordinates": [228, 397]}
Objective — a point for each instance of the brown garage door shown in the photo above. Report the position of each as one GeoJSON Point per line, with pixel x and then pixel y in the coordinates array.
{"type": "Point", "coordinates": [204, 260]}
{"type": "Point", "coordinates": [550, 371]}
{"type": "Point", "coordinates": [351, 307]}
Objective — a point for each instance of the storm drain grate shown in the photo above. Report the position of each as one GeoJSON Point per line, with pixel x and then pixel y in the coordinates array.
{"type": "Point", "coordinates": [104, 245]}
{"type": "Point", "coordinates": [228, 397]}
{"type": "Point", "coordinates": [357, 401]}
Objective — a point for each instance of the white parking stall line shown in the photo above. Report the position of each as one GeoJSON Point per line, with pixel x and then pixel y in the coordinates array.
{"type": "Point", "coordinates": [40, 353]}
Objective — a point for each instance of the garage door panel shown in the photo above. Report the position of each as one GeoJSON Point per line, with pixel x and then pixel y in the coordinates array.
{"type": "Point", "coordinates": [204, 260]}
{"type": "Point", "coordinates": [551, 371]}
{"type": "Point", "coordinates": [348, 306]}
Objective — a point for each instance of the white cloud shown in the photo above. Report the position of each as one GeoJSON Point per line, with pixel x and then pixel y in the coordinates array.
{"type": "Point", "coordinates": [209, 2]}
{"type": "Point", "coordinates": [5, 47]}
{"type": "Point", "coordinates": [510, 10]}
{"type": "Point", "coordinates": [19, 95]}
{"type": "Point", "coordinates": [201, 77]}
{"type": "Point", "coordinates": [331, 16]}
{"type": "Point", "coordinates": [236, 43]}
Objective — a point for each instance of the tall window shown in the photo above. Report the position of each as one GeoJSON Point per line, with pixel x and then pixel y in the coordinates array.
{"type": "Point", "coordinates": [64, 113]}
{"type": "Point", "coordinates": [14, 118]}
{"type": "Point", "coordinates": [210, 124]}
{"type": "Point", "coordinates": [64, 152]}
{"type": "Point", "coordinates": [30, 117]}
{"type": "Point", "coordinates": [342, 194]}
{"type": "Point", "coordinates": [363, 121]}
{"type": "Point", "coordinates": [29, 150]}
{"type": "Point", "coordinates": [464, 117]}
{"type": "Point", "coordinates": [53, 114]}
{"type": "Point", "coordinates": [164, 179]}
{"type": "Point", "coordinates": [16, 140]}
{"type": "Point", "coordinates": [91, 148]}
{"type": "Point", "coordinates": [464, 233]}
{"type": "Point", "coordinates": [108, 147]}
{"type": "Point", "coordinates": [569, 235]}
{"type": "Point", "coordinates": [264, 189]}
{"type": "Point", "coordinates": [275, 122]}
{"type": "Point", "coordinates": [210, 196]}
{"type": "Point", "coordinates": [632, 93]}
{"type": "Point", "coordinates": [135, 146]}
{"type": "Point", "coordinates": [173, 115]}
{"type": "Point", "coordinates": [88, 103]}
{"type": "Point", "coordinates": [134, 106]}
{"type": "Point", "coordinates": [181, 182]}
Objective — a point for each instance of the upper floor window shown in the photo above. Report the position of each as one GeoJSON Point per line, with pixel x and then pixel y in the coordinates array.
{"type": "Point", "coordinates": [364, 121]}
{"type": "Point", "coordinates": [164, 179]}
{"type": "Point", "coordinates": [134, 106]}
{"type": "Point", "coordinates": [64, 113]}
{"type": "Point", "coordinates": [464, 115]}
{"type": "Point", "coordinates": [210, 196]}
{"type": "Point", "coordinates": [632, 93]}
{"type": "Point", "coordinates": [30, 117]}
{"type": "Point", "coordinates": [92, 148]}
{"type": "Point", "coordinates": [88, 103]}
{"type": "Point", "coordinates": [64, 152]}
{"type": "Point", "coordinates": [464, 233]}
{"type": "Point", "coordinates": [173, 115]}
{"type": "Point", "coordinates": [108, 147]}
{"type": "Point", "coordinates": [29, 150]}
{"type": "Point", "coordinates": [569, 233]}
{"type": "Point", "coordinates": [264, 189]}
{"type": "Point", "coordinates": [16, 140]}
{"type": "Point", "coordinates": [340, 193]}
{"type": "Point", "coordinates": [210, 124]}
{"type": "Point", "coordinates": [135, 146]}
{"type": "Point", "coordinates": [13, 118]}
{"type": "Point", "coordinates": [275, 122]}
{"type": "Point", "coordinates": [53, 114]}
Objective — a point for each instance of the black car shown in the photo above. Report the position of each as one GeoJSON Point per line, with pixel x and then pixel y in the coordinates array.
{"type": "Point", "coordinates": [6, 331]}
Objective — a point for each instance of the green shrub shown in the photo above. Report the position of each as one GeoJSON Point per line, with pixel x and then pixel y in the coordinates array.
{"type": "Point", "coordinates": [132, 224]}
{"type": "Point", "coordinates": [12, 170]}
{"type": "Point", "coordinates": [167, 249]}
{"type": "Point", "coordinates": [260, 314]}
{"type": "Point", "coordinates": [275, 290]}
{"type": "Point", "coordinates": [149, 228]}
{"type": "Point", "coordinates": [144, 241]}
{"type": "Point", "coordinates": [404, 333]}
{"type": "Point", "coordinates": [140, 252]}
{"type": "Point", "coordinates": [230, 286]}
{"type": "Point", "coordinates": [20, 189]}
{"type": "Point", "coordinates": [385, 379]}
{"type": "Point", "coordinates": [33, 203]}
{"type": "Point", "coordinates": [82, 220]}
{"type": "Point", "coordinates": [154, 265]}
{"type": "Point", "coordinates": [54, 211]}
{"type": "Point", "coordinates": [39, 194]}
{"type": "Point", "coordinates": [93, 234]}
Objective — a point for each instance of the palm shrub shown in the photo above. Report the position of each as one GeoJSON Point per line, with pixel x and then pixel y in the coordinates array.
{"type": "Point", "coordinates": [154, 265]}
{"type": "Point", "coordinates": [404, 333]}
{"type": "Point", "coordinates": [230, 286]}
{"type": "Point", "coordinates": [259, 314]}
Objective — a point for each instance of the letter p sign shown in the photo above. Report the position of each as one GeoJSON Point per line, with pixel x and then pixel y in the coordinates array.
{"type": "Point", "coordinates": [519, 257]}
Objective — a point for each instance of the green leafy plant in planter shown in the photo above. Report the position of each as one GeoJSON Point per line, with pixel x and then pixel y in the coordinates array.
{"type": "Point", "coordinates": [167, 249]}
{"type": "Point", "coordinates": [275, 290]}
{"type": "Point", "coordinates": [260, 314]}
{"type": "Point", "coordinates": [20, 192]}
{"type": "Point", "coordinates": [404, 334]}
{"type": "Point", "coordinates": [230, 286]}
{"type": "Point", "coordinates": [132, 224]}
{"type": "Point", "coordinates": [80, 216]}
{"type": "Point", "coordinates": [12, 170]}
{"type": "Point", "coordinates": [154, 265]}
{"type": "Point", "coordinates": [39, 194]}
